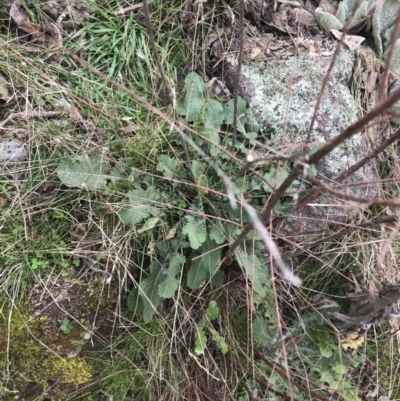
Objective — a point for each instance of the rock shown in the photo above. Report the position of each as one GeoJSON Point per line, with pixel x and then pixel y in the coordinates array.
{"type": "Point", "coordinates": [268, 88]}
{"type": "Point", "coordinates": [12, 150]}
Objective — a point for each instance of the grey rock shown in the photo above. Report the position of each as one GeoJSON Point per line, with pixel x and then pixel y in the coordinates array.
{"type": "Point", "coordinates": [286, 92]}
{"type": "Point", "coordinates": [12, 150]}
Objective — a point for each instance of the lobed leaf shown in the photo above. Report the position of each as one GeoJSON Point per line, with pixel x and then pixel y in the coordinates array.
{"type": "Point", "coordinates": [83, 171]}
{"type": "Point", "coordinates": [139, 207]}
{"type": "Point", "coordinates": [256, 271]}
{"type": "Point", "coordinates": [191, 105]}
{"type": "Point", "coordinates": [195, 229]}
{"type": "Point", "coordinates": [168, 287]}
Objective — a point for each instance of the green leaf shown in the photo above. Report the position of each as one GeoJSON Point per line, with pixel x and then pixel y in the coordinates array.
{"type": "Point", "coordinates": [340, 369]}
{"type": "Point", "coordinates": [135, 302]}
{"type": "Point", "coordinates": [376, 33]}
{"type": "Point", "coordinates": [212, 310]}
{"type": "Point", "coordinates": [202, 181]}
{"type": "Point", "coordinates": [326, 350]}
{"type": "Point", "coordinates": [139, 205]}
{"type": "Point", "coordinates": [195, 229]}
{"type": "Point", "coordinates": [257, 272]}
{"type": "Point", "coordinates": [326, 20]}
{"type": "Point", "coordinates": [263, 333]}
{"type": "Point", "coordinates": [83, 171]}
{"type": "Point", "coordinates": [213, 115]}
{"type": "Point", "coordinates": [229, 108]}
{"type": "Point", "coordinates": [283, 208]}
{"type": "Point", "coordinates": [275, 176]}
{"type": "Point", "coordinates": [219, 340]}
{"type": "Point", "coordinates": [192, 103]}
{"type": "Point", "coordinates": [327, 377]}
{"type": "Point", "coordinates": [205, 265]}
{"type": "Point", "coordinates": [217, 279]}
{"type": "Point", "coordinates": [312, 170]}
{"type": "Point", "coordinates": [211, 256]}
{"type": "Point", "coordinates": [198, 168]}
{"type": "Point", "coordinates": [342, 12]}
{"type": "Point", "coordinates": [148, 291]}
{"type": "Point", "coordinates": [394, 65]}
{"type": "Point", "coordinates": [148, 224]}
{"type": "Point", "coordinates": [117, 172]}
{"type": "Point", "coordinates": [201, 341]}
{"type": "Point", "coordinates": [167, 165]}
{"type": "Point", "coordinates": [196, 274]}
{"type": "Point", "coordinates": [214, 136]}
{"type": "Point", "coordinates": [359, 18]}
{"type": "Point", "coordinates": [168, 287]}
{"type": "Point", "coordinates": [216, 232]}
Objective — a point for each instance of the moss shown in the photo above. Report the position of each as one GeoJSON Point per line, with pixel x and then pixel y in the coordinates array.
{"type": "Point", "coordinates": [44, 357]}
{"type": "Point", "coordinates": [68, 370]}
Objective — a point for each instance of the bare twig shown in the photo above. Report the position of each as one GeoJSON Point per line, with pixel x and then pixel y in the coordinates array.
{"type": "Point", "coordinates": [126, 10]}
{"type": "Point", "coordinates": [29, 114]}
{"type": "Point", "coordinates": [355, 167]}
{"type": "Point", "coordinates": [350, 171]}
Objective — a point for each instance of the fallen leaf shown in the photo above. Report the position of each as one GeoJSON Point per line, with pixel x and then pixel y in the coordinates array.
{"type": "Point", "coordinates": [4, 92]}
{"type": "Point", "coordinates": [291, 2]}
{"type": "Point", "coordinates": [353, 42]}
{"type": "Point", "coordinates": [171, 234]}
{"type": "Point", "coordinates": [23, 23]}
{"type": "Point", "coordinates": [3, 201]}
{"type": "Point", "coordinates": [217, 89]}
{"type": "Point", "coordinates": [305, 18]}
{"type": "Point", "coordinates": [367, 69]}
{"type": "Point", "coordinates": [352, 342]}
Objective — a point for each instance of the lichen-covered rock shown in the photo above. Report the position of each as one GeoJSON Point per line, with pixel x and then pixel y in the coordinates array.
{"type": "Point", "coordinates": [286, 92]}
{"type": "Point", "coordinates": [12, 150]}
{"type": "Point", "coordinates": [282, 95]}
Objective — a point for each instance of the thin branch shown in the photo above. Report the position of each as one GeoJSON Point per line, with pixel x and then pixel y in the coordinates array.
{"type": "Point", "coordinates": [355, 167]}
{"type": "Point", "coordinates": [126, 10]}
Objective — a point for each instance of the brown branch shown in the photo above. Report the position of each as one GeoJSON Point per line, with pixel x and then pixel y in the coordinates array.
{"type": "Point", "coordinates": [122, 11]}
{"type": "Point", "coordinates": [394, 137]}
{"type": "Point", "coordinates": [355, 167]}
{"type": "Point", "coordinates": [366, 182]}
{"type": "Point", "coordinates": [29, 114]}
